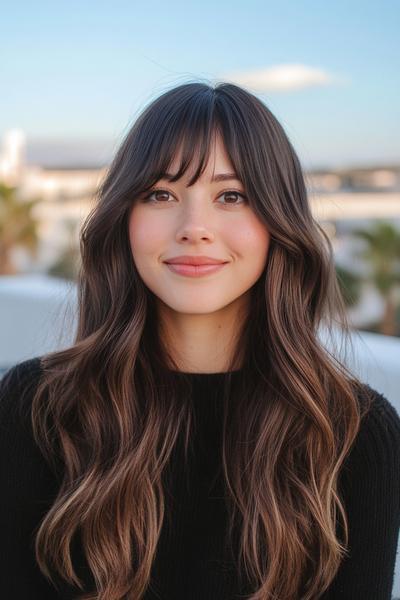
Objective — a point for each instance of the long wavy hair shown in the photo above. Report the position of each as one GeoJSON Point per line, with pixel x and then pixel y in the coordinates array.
{"type": "Point", "coordinates": [107, 415]}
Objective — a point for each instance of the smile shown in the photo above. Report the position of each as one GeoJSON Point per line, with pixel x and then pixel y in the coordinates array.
{"type": "Point", "coordinates": [195, 270]}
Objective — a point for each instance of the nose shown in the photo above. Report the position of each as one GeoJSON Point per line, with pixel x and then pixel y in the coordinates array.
{"type": "Point", "coordinates": [195, 224]}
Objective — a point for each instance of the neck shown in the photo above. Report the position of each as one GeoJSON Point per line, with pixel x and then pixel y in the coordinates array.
{"type": "Point", "coordinates": [203, 343]}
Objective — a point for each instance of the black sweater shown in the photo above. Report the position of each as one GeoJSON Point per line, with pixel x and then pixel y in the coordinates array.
{"type": "Point", "coordinates": [189, 557]}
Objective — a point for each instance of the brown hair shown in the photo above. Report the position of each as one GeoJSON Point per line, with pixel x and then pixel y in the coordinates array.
{"type": "Point", "coordinates": [107, 409]}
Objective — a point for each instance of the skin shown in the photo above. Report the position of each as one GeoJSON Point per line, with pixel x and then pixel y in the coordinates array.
{"type": "Point", "coordinates": [199, 317]}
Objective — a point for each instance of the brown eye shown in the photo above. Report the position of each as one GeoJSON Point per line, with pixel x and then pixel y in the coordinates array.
{"type": "Point", "coordinates": [233, 197]}
{"type": "Point", "coordinates": [158, 195]}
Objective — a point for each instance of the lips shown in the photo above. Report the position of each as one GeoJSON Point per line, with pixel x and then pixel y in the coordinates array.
{"type": "Point", "coordinates": [195, 270]}
{"type": "Point", "coordinates": [194, 260]}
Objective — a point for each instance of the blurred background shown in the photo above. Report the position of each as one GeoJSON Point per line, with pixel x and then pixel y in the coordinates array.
{"type": "Point", "coordinates": [74, 76]}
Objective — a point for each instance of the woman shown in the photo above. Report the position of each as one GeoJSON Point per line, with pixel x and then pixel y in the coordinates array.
{"type": "Point", "coordinates": [198, 440]}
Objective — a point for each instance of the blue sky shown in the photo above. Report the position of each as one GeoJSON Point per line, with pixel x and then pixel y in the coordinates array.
{"type": "Point", "coordinates": [74, 75]}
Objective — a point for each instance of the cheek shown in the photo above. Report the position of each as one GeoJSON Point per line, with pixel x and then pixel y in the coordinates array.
{"type": "Point", "coordinates": [250, 238]}
{"type": "Point", "coordinates": [145, 234]}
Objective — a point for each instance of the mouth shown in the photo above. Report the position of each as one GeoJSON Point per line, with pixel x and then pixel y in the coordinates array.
{"type": "Point", "coordinates": [195, 270]}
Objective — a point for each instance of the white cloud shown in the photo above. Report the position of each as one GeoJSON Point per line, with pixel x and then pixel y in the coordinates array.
{"type": "Point", "coordinates": [281, 78]}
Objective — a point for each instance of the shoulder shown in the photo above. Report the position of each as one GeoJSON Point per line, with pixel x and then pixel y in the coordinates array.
{"type": "Point", "coordinates": [27, 478]}
{"type": "Point", "coordinates": [22, 369]}
{"type": "Point", "coordinates": [21, 375]}
{"type": "Point", "coordinates": [17, 387]}
{"type": "Point", "coordinates": [375, 453]}
{"type": "Point", "coordinates": [381, 420]}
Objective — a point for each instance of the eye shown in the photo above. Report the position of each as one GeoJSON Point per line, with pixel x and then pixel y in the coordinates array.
{"type": "Point", "coordinates": [148, 197]}
{"type": "Point", "coordinates": [233, 194]}
{"type": "Point", "coordinates": [162, 195]}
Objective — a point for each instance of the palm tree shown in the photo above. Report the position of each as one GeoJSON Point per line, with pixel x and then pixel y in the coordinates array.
{"type": "Point", "coordinates": [382, 251]}
{"type": "Point", "coordinates": [17, 227]}
{"type": "Point", "coordinates": [68, 263]}
{"type": "Point", "coordinates": [350, 285]}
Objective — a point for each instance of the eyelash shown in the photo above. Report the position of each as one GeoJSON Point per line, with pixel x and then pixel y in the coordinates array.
{"type": "Point", "coordinates": [147, 197]}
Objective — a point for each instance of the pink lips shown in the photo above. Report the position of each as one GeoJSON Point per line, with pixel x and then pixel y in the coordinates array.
{"type": "Point", "coordinates": [194, 266]}
{"type": "Point", "coordinates": [191, 259]}
{"type": "Point", "coordinates": [194, 270]}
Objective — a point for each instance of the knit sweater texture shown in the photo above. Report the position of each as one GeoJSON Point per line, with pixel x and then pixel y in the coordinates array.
{"type": "Point", "coordinates": [190, 563]}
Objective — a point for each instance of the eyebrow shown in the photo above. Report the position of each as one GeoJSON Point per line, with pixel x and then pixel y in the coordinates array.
{"type": "Point", "coordinates": [216, 178]}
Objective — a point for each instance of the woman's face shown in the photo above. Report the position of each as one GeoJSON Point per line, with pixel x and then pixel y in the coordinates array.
{"type": "Point", "coordinates": [210, 218]}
